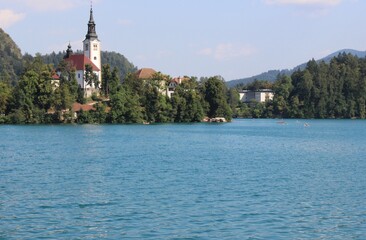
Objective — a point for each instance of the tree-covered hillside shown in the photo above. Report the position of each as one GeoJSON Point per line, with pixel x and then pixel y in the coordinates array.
{"type": "Point", "coordinates": [271, 75]}
{"type": "Point", "coordinates": [117, 60]}
{"type": "Point", "coordinates": [322, 90]}
{"type": "Point", "coordinates": [10, 59]}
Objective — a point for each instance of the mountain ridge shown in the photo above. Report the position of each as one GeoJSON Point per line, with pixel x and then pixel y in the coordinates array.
{"type": "Point", "coordinates": [271, 75]}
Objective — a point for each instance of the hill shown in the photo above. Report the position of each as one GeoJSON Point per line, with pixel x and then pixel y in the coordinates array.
{"type": "Point", "coordinates": [11, 64]}
{"type": "Point", "coordinates": [112, 58]}
{"type": "Point", "coordinates": [271, 75]}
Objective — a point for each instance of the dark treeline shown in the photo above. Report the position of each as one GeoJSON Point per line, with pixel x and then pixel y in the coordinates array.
{"type": "Point", "coordinates": [37, 99]}
{"type": "Point", "coordinates": [321, 90]}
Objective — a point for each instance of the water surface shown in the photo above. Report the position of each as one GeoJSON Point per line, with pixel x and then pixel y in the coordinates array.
{"type": "Point", "coordinates": [250, 179]}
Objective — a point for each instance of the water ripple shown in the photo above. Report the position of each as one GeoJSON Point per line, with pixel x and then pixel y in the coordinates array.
{"type": "Point", "coordinates": [251, 179]}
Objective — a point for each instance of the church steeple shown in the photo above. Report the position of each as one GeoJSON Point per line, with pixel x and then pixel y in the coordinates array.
{"type": "Point", "coordinates": [69, 52]}
{"type": "Point", "coordinates": [92, 34]}
{"type": "Point", "coordinates": [92, 46]}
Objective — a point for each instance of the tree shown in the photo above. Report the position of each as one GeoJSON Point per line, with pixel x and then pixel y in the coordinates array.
{"type": "Point", "coordinates": [125, 107]}
{"type": "Point", "coordinates": [215, 95]}
{"type": "Point", "coordinates": [5, 95]}
{"type": "Point", "coordinates": [106, 79]}
{"type": "Point", "coordinates": [234, 101]}
{"type": "Point", "coordinates": [24, 99]}
{"type": "Point", "coordinates": [187, 103]}
{"type": "Point", "coordinates": [114, 82]}
{"type": "Point", "coordinates": [90, 77]}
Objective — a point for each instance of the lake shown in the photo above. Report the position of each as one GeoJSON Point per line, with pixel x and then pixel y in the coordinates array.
{"type": "Point", "coordinates": [249, 179]}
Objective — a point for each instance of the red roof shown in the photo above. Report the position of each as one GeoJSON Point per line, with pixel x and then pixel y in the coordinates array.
{"type": "Point", "coordinates": [55, 77]}
{"type": "Point", "coordinates": [80, 60]}
{"type": "Point", "coordinates": [145, 73]}
{"type": "Point", "coordinates": [77, 107]}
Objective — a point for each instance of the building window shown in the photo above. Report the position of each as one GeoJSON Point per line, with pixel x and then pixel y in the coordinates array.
{"type": "Point", "coordinates": [78, 75]}
{"type": "Point", "coordinates": [95, 58]}
{"type": "Point", "coordinates": [86, 47]}
{"type": "Point", "coordinates": [95, 47]}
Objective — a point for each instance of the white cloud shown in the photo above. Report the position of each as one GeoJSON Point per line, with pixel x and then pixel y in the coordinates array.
{"type": "Point", "coordinates": [305, 2]}
{"type": "Point", "coordinates": [227, 51]}
{"type": "Point", "coordinates": [9, 17]}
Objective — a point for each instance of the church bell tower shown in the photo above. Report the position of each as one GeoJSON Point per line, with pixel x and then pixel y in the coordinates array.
{"type": "Point", "coordinates": [92, 44]}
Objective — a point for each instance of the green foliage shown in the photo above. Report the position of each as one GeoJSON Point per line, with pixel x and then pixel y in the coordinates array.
{"type": "Point", "coordinates": [97, 116]}
{"type": "Point", "coordinates": [334, 90]}
{"type": "Point", "coordinates": [214, 91]}
{"type": "Point", "coordinates": [258, 84]}
{"type": "Point", "coordinates": [5, 95]}
{"type": "Point", "coordinates": [119, 62]}
{"type": "Point", "coordinates": [125, 107]}
{"type": "Point", "coordinates": [187, 103]}
{"type": "Point", "coordinates": [34, 96]}
{"type": "Point", "coordinates": [113, 59]}
{"type": "Point", "coordinates": [11, 63]}
{"type": "Point", "coordinates": [90, 77]}
{"type": "Point", "coordinates": [234, 101]}
{"type": "Point", "coordinates": [106, 79]}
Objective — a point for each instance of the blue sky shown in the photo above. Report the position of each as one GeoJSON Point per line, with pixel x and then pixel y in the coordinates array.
{"type": "Point", "coordinates": [231, 38]}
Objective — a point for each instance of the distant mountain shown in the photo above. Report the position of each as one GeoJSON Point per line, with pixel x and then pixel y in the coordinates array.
{"type": "Point", "coordinates": [11, 64]}
{"type": "Point", "coordinates": [272, 74]}
{"type": "Point", "coordinates": [119, 61]}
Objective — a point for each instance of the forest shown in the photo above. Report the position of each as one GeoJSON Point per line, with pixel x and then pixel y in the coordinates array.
{"type": "Point", "coordinates": [334, 89]}
{"type": "Point", "coordinates": [35, 100]}
{"type": "Point", "coordinates": [321, 90]}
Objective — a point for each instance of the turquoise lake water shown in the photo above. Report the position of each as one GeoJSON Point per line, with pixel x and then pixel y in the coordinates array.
{"type": "Point", "coordinates": [249, 179]}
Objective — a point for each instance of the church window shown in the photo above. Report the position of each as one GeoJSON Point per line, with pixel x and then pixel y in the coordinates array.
{"type": "Point", "coordinates": [95, 58]}
{"type": "Point", "coordinates": [95, 47]}
{"type": "Point", "coordinates": [86, 46]}
{"type": "Point", "coordinates": [78, 75]}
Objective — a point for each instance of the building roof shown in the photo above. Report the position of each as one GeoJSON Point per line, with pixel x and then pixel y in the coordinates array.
{"type": "Point", "coordinates": [77, 107]}
{"type": "Point", "coordinates": [179, 80]}
{"type": "Point", "coordinates": [79, 61]}
{"type": "Point", "coordinates": [55, 77]}
{"type": "Point", "coordinates": [145, 73]}
{"type": "Point", "coordinates": [259, 90]}
{"type": "Point", "coordinates": [92, 34]}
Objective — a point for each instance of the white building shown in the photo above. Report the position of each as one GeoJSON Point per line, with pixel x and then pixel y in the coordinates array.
{"type": "Point", "coordinates": [91, 56]}
{"type": "Point", "coordinates": [92, 44]}
{"type": "Point", "coordinates": [261, 95]}
{"type": "Point", "coordinates": [173, 84]}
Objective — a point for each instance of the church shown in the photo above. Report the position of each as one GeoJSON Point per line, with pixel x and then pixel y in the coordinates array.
{"type": "Point", "coordinates": [91, 55]}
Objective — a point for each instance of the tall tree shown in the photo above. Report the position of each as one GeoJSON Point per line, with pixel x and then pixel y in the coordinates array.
{"type": "Point", "coordinates": [106, 79]}
{"type": "Point", "coordinates": [215, 95]}
{"type": "Point", "coordinates": [90, 77]}
{"type": "Point", "coordinates": [5, 94]}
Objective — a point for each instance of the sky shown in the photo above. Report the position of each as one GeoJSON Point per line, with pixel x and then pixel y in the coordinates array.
{"type": "Point", "coordinates": [230, 38]}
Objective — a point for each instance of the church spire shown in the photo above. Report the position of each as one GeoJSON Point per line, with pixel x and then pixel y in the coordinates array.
{"type": "Point", "coordinates": [69, 51]}
{"type": "Point", "coordinates": [91, 26]}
